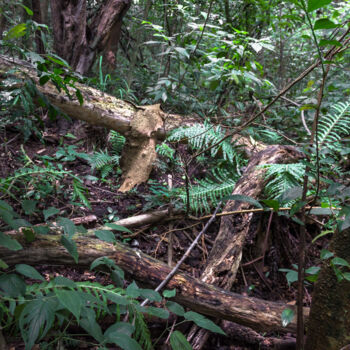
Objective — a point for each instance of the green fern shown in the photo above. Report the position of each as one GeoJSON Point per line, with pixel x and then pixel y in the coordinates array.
{"type": "Point", "coordinates": [142, 334]}
{"type": "Point", "coordinates": [104, 162]}
{"type": "Point", "coordinates": [116, 142]}
{"type": "Point", "coordinates": [333, 126]}
{"type": "Point", "coordinates": [207, 193]}
{"type": "Point", "coordinates": [202, 136]}
{"type": "Point", "coordinates": [282, 177]}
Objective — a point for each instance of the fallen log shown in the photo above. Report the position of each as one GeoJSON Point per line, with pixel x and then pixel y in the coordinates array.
{"type": "Point", "coordinates": [142, 126]}
{"type": "Point", "coordinates": [206, 299]}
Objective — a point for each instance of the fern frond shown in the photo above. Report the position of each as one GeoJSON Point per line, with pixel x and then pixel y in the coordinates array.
{"type": "Point", "coordinates": [282, 177]}
{"type": "Point", "coordinates": [332, 126]}
{"type": "Point", "coordinates": [116, 141]}
{"type": "Point", "coordinates": [142, 334]}
{"type": "Point", "coordinates": [202, 136]}
{"type": "Point", "coordinates": [210, 190]}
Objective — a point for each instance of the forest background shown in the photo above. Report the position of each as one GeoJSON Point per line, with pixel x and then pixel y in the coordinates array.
{"type": "Point", "coordinates": [231, 112]}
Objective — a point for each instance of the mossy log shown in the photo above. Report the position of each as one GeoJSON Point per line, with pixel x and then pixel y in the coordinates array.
{"type": "Point", "coordinates": [206, 299]}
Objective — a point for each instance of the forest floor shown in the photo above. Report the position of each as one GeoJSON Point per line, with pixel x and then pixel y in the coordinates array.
{"type": "Point", "coordinates": [109, 205]}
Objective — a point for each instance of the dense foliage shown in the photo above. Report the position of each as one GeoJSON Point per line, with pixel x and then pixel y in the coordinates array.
{"type": "Point", "coordinates": [219, 61]}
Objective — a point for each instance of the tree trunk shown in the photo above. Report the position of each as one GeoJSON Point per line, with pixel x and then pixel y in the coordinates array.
{"type": "Point", "coordinates": [38, 18]}
{"type": "Point", "coordinates": [209, 300]}
{"type": "Point", "coordinates": [329, 324]}
{"type": "Point", "coordinates": [78, 41]}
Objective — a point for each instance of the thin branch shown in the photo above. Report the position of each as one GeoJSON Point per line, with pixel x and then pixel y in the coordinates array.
{"type": "Point", "coordinates": [184, 257]}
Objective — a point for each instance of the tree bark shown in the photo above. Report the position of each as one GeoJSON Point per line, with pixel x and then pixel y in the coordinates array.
{"type": "Point", "coordinates": [209, 300]}
{"type": "Point", "coordinates": [226, 254]}
{"type": "Point", "coordinates": [38, 18]}
{"type": "Point", "coordinates": [329, 325]}
{"type": "Point", "coordinates": [78, 41]}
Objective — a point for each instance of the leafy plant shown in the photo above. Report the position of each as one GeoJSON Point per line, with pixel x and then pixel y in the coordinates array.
{"type": "Point", "coordinates": [282, 177]}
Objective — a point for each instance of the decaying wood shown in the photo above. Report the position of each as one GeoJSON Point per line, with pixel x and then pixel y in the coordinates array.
{"type": "Point", "coordinates": [226, 254]}
{"type": "Point", "coordinates": [197, 295]}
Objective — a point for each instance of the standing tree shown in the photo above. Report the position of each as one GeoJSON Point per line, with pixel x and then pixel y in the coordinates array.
{"type": "Point", "coordinates": [80, 35]}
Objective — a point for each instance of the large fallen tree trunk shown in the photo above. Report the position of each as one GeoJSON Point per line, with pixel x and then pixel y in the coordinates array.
{"type": "Point", "coordinates": [142, 126]}
{"type": "Point", "coordinates": [209, 300]}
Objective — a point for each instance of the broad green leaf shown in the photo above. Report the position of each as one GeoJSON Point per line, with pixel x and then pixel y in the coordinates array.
{"type": "Point", "coordinates": [118, 227]}
{"type": "Point", "coordinates": [50, 212]}
{"type": "Point", "coordinates": [313, 270]}
{"type": "Point", "coordinates": [340, 262]}
{"type": "Point", "coordinates": [324, 42]}
{"type": "Point", "coordinates": [326, 254]}
{"type": "Point", "coordinates": [103, 260]}
{"type": "Point", "coordinates": [175, 308]}
{"type": "Point", "coordinates": [67, 225]}
{"type": "Point", "coordinates": [58, 60]}
{"type": "Point", "coordinates": [324, 23]}
{"type": "Point", "coordinates": [29, 206]}
{"type": "Point", "coordinates": [133, 290]}
{"type": "Point", "coordinates": [41, 230]}
{"type": "Point", "coordinates": [16, 32]}
{"type": "Point", "coordinates": [203, 322]}
{"type": "Point", "coordinates": [44, 79]}
{"type": "Point", "coordinates": [169, 293]}
{"type": "Point", "coordinates": [287, 317]}
{"type": "Point", "coordinates": [18, 223]}
{"type": "Point", "coordinates": [313, 5]}
{"type": "Point", "coordinates": [242, 198]}
{"type": "Point", "coordinates": [183, 52]}
{"type": "Point", "coordinates": [9, 243]}
{"type": "Point", "coordinates": [27, 9]}
{"type": "Point", "coordinates": [71, 247]}
{"type": "Point", "coordinates": [124, 341]}
{"type": "Point", "coordinates": [88, 322]}
{"type": "Point", "coordinates": [105, 235]}
{"type": "Point", "coordinates": [64, 282]}
{"type": "Point", "coordinates": [179, 342]}
{"type": "Point", "coordinates": [12, 285]}
{"type": "Point", "coordinates": [346, 276]}
{"type": "Point", "coordinates": [79, 97]}
{"type": "Point", "coordinates": [291, 276]}
{"type": "Point", "coordinates": [36, 319]}
{"type": "Point", "coordinates": [117, 299]}
{"type": "Point", "coordinates": [71, 300]}
{"type": "Point", "coordinates": [158, 312]}
{"type": "Point", "coordinates": [150, 294]}
{"type": "Point", "coordinates": [29, 271]}
{"type": "Point", "coordinates": [29, 234]}
{"type": "Point", "coordinates": [271, 203]}
{"type": "Point", "coordinates": [121, 327]}
{"type": "Point", "coordinates": [3, 265]}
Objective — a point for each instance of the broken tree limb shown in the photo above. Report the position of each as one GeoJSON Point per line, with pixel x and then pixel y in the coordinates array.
{"type": "Point", "coordinates": [198, 296]}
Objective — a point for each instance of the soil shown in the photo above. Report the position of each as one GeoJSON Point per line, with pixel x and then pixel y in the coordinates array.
{"type": "Point", "coordinates": [260, 279]}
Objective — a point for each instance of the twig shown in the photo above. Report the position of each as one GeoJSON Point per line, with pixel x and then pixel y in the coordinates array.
{"type": "Point", "coordinates": [187, 253]}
